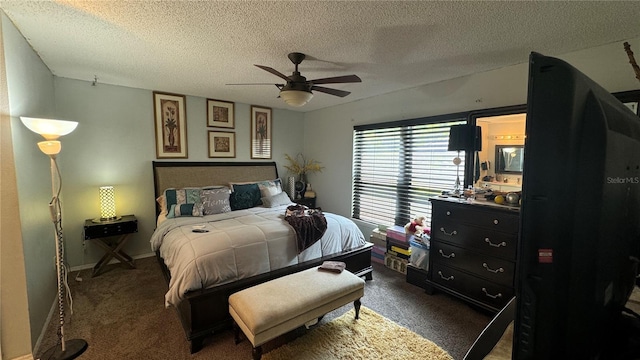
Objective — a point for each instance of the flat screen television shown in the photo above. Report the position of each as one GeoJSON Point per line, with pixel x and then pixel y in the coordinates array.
{"type": "Point", "coordinates": [580, 217]}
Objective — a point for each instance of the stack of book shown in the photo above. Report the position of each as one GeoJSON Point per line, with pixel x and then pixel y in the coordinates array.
{"type": "Point", "coordinates": [379, 239]}
{"type": "Point", "coordinates": [398, 249]}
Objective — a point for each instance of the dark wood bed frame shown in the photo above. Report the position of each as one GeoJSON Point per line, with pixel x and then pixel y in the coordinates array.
{"type": "Point", "coordinates": [206, 311]}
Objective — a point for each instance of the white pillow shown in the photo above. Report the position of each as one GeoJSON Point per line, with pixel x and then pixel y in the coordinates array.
{"type": "Point", "coordinates": [270, 187]}
{"type": "Point", "coordinates": [276, 200]}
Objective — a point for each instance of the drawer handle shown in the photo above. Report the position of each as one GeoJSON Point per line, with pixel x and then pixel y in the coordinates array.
{"type": "Point", "coordinates": [498, 295]}
{"type": "Point", "coordinates": [446, 278]}
{"type": "Point", "coordinates": [448, 234]}
{"type": "Point", "coordinates": [494, 245]}
{"type": "Point", "coordinates": [448, 213]}
{"type": "Point", "coordinates": [495, 221]}
{"type": "Point", "coordinates": [499, 270]}
{"type": "Point", "coordinates": [452, 255]}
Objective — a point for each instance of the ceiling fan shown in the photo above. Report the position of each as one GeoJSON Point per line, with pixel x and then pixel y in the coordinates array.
{"type": "Point", "coordinates": [297, 90]}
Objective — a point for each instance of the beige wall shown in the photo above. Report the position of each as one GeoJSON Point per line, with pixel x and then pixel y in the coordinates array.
{"type": "Point", "coordinates": [15, 336]}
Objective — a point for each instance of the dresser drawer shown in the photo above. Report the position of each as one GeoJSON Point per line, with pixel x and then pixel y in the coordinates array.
{"type": "Point", "coordinates": [491, 268]}
{"type": "Point", "coordinates": [479, 289]}
{"type": "Point", "coordinates": [491, 219]}
{"type": "Point", "coordinates": [487, 241]}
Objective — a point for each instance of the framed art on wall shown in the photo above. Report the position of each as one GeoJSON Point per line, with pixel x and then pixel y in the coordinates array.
{"type": "Point", "coordinates": [170, 120]}
{"type": "Point", "coordinates": [222, 144]}
{"type": "Point", "coordinates": [220, 114]}
{"type": "Point", "coordinates": [260, 132]}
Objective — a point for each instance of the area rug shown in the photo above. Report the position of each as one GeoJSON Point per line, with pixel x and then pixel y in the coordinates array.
{"type": "Point", "coordinates": [371, 337]}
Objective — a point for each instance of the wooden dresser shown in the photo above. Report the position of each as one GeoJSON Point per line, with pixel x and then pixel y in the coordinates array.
{"type": "Point", "coordinates": [473, 251]}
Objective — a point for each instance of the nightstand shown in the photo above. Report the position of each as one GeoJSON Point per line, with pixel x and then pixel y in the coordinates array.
{"type": "Point", "coordinates": [308, 202]}
{"type": "Point", "coordinates": [111, 236]}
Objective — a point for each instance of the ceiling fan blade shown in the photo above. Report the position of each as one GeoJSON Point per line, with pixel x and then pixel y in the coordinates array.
{"type": "Point", "coordinates": [257, 84]}
{"type": "Point", "coordinates": [337, 80]}
{"type": "Point", "coordinates": [329, 91]}
{"type": "Point", "coordinates": [273, 71]}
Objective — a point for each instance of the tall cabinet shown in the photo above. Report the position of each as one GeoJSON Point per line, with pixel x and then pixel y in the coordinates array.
{"type": "Point", "coordinates": [473, 251]}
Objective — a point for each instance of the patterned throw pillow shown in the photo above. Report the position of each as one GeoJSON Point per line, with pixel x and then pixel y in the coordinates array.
{"type": "Point", "coordinates": [176, 198]}
{"type": "Point", "coordinates": [245, 196]}
{"type": "Point", "coordinates": [270, 187]}
{"type": "Point", "coordinates": [216, 200]}
{"type": "Point", "coordinates": [185, 210]}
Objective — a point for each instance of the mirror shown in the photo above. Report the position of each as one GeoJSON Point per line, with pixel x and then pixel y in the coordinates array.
{"type": "Point", "coordinates": [502, 129]}
{"type": "Point", "coordinates": [509, 159]}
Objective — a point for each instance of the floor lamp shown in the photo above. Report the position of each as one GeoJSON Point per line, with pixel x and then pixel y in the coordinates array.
{"type": "Point", "coordinates": [51, 130]}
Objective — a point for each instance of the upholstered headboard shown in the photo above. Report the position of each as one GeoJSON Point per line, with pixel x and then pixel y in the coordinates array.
{"type": "Point", "coordinates": [170, 174]}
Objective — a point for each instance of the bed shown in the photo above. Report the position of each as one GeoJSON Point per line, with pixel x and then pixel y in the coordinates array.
{"type": "Point", "coordinates": [248, 246]}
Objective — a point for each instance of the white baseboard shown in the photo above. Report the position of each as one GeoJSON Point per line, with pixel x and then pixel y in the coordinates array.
{"type": "Point", "coordinates": [113, 261]}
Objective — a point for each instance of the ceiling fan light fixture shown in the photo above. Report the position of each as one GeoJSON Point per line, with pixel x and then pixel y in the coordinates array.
{"type": "Point", "coordinates": [296, 98]}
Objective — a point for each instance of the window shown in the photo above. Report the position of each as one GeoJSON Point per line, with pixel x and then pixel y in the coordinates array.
{"type": "Point", "coordinates": [398, 166]}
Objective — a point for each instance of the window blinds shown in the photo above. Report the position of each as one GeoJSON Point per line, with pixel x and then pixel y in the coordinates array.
{"type": "Point", "coordinates": [396, 168]}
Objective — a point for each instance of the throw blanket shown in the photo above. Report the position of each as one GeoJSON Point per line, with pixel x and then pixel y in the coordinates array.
{"type": "Point", "coordinates": [309, 225]}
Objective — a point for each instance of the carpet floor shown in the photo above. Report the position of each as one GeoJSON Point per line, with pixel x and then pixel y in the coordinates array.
{"type": "Point", "coordinates": [372, 336]}
{"type": "Point", "coordinates": [121, 314]}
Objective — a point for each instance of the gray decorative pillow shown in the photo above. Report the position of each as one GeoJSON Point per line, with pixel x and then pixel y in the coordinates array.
{"type": "Point", "coordinates": [216, 200]}
{"type": "Point", "coordinates": [276, 200]}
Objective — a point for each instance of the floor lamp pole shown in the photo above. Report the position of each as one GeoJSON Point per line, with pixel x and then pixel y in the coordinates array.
{"type": "Point", "coordinates": [73, 348]}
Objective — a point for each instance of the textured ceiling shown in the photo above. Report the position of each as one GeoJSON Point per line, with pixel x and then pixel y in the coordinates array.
{"type": "Point", "coordinates": [195, 48]}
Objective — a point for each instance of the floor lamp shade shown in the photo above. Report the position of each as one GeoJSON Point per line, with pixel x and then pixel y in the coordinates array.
{"type": "Point", "coordinates": [50, 129]}
{"type": "Point", "coordinates": [107, 203]}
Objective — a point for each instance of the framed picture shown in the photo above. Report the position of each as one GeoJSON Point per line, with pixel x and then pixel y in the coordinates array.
{"type": "Point", "coordinates": [222, 144]}
{"type": "Point", "coordinates": [220, 114]}
{"type": "Point", "coordinates": [260, 132]}
{"type": "Point", "coordinates": [170, 114]}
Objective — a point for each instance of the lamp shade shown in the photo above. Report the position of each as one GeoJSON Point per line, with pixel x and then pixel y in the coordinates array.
{"type": "Point", "coordinates": [50, 147]}
{"type": "Point", "coordinates": [107, 203]}
{"type": "Point", "coordinates": [459, 138]}
{"type": "Point", "coordinates": [465, 138]}
{"type": "Point", "coordinates": [50, 129]}
{"type": "Point", "coordinates": [296, 98]}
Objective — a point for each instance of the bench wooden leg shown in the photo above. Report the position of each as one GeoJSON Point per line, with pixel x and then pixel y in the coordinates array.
{"type": "Point", "coordinates": [356, 305]}
{"type": "Point", "coordinates": [257, 352]}
{"type": "Point", "coordinates": [236, 333]}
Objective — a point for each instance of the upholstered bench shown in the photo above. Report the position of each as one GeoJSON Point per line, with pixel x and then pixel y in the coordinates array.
{"type": "Point", "coordinates": [268, 310]}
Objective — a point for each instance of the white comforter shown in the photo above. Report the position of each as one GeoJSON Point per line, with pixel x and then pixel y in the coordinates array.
{"type": "Point", "coordinates": [240, 244]}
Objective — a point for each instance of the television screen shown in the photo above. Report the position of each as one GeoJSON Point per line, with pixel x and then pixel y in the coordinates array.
{"type": "Point", "coordinates": [580, 217]}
